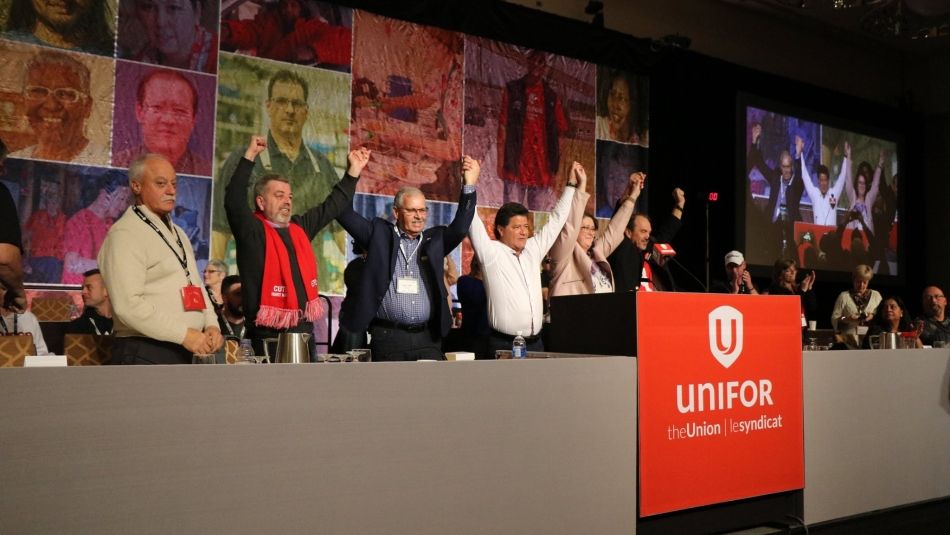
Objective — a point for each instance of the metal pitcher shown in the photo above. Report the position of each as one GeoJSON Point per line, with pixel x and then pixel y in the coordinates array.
{"type": "Point", "coordinates": [292, 348]}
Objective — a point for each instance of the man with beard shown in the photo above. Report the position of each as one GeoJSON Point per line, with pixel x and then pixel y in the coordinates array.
{"type": "Point", "coordinates": [166, 110]}
{"type": "Point", "coordinates": [936, 325]}
{"type": "Point", "coordinates": [58, 103]}
{"type": "Point", "coordinates": [635, 266]}
{"type": "Point", "coordinates": [87, 228]}
{"type": "Point", "coordinates": [97, 308]}
{"type": "Point", "coordinates": [231, 313]}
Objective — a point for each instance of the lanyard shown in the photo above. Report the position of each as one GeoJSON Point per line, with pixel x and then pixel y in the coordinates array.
{"type": "Point", "coordinates": [4, 325]}
{"type": "Point", "coordinates": [409, 256]}
{"type": "Point", "coordinates": [183, 259]}
{"type": "Point", "coordinates": [96, 327]}
{"type": "Point", "coordinates": [231, 329]}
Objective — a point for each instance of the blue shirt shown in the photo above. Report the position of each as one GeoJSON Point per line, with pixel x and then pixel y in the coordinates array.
{"type": "Point", "coordinates": [403, 307]}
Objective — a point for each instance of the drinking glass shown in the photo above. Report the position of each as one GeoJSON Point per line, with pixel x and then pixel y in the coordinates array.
{"type": "Point", "coordinates": [202, 358]}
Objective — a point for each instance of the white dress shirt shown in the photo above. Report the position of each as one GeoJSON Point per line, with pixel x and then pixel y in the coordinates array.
{"type": "Point", "coordinates": [513, 281]}
{"type": "Point", "coordinates": [824, 213]}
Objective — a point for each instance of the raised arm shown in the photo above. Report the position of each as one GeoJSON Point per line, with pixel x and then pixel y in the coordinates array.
{"type": "Point", "coordinates": [563, 246]}
{"type": "Point", "coordinates": [236, 207]}
{"type": "Point", "coordinates": [876, 182]}
{"type": "Point", "coordinates": [614, 234]}
{"type": "Point", "coordinates": [550, 232]}
{"type": "Point", "coordinates": [844, 173]}
{"type": "Point", "coordinates": [340, 197]}
{"type": "Point", "coordinates": [813, 192]}
{"type": "Point", "coordinates": [465, 213]}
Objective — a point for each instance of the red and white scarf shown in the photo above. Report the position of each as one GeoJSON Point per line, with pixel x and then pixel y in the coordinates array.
{"type": "Point", "coordinates": [279, 308]}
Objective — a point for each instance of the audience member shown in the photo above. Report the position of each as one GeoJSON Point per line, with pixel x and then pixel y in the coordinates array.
{"type": "Point", "coordinates": [96, 315]}
{"type": "Point", "coordinates": [512, 267]}
{"type": "Point", "coordinates": [634, 265]}
{"type": "Point", "coordinates": [231, 314]}
{"type": "Point", "coordinates": [785, 282]}
{"type": "Point", "coordinates": [402, 297]}
{"type": "Point", "coordinates": [214, 274]}
{"type": "Point", "coordinates": [13, 322]}
{"type": "Point", "coordinates": [856, 307]}
{"type": "Point", "coordinates": [475, 328]}
{"type": "Point", "coordinates": [162, 314]}
{"type": "Point", "coordinates": [936, 323]}
{"type": "Point", "coordinates": [579, 256]}
{"type": "Point", "coordinates": [892, 317]}
{"type": "Point", "coordinates": [274, 255]}
{"type": "Point", "coordinates": [738, 279]}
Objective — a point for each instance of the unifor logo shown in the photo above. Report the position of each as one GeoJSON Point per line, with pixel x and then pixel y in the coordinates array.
{"type": "Point", "coordinates": [725, 334]}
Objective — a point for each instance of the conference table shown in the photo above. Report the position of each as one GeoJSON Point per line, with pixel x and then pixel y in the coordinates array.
{"type": "Point", "coordinates": [509, 446]}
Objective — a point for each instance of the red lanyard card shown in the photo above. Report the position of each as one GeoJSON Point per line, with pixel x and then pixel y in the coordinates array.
{"type": "Point", "coordinates": [192, 298]}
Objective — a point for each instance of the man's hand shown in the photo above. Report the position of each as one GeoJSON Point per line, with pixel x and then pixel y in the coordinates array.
{"type": "Point", "coordinates": [881, 159]}
{"type": "Point", "coordinates": [197, 342]}
{"type": "Point", "coordinates": [356, 160]}
{"type": "Point", "coordinates": [847, 150]}
{"type": "Point", "coordinates": [255, 146]}
{"type": "Point", "coordinates": [679, 197]}
{"type": "Point", "coordinates": [635, 186]}
{"type": "Point", "coordinates": [799, 145]}
{"type": "Point", "coordinates": [756, 133]}
{"type": "Point", "coordinates": [214, 338]}
{"type": "Point", "coordinates": [470, 170]}
{"type": "Point", "coordinates": [578, 176]}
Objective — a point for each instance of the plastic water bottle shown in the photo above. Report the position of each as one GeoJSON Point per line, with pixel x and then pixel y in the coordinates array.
{"type": "Point", "coordinates": [246, 352]}
{"type": "Point", "coordinates": [518, 347]}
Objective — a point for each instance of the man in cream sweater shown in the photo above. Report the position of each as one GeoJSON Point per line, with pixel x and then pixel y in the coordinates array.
{"type": "Point", "coordinates": [162, 313]}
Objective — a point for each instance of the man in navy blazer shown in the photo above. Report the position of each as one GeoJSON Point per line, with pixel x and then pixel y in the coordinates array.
{"type": "Point", "coordinates": [402, 297]}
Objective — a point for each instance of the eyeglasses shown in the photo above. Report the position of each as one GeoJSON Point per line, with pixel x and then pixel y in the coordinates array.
{"type": "Point", "coordinates": [415, 211]}
{"type": "Point", "coordinates": [209, 270]}
{"type": "Point", "coordinates": [934, 297]}
{"type": "Point", "coordinates": [66, 95]}
{"type": "Point", "coordinates": [294, 103]}
{"type": "Point", "coordinates": [168, 112]}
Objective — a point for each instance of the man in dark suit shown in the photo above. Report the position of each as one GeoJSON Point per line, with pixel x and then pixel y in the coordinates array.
{"type": "Point", "coordinates": [628, 259]}
{"type": "Point", "coordinates": [402, 297]}
{"type": "Point", "coordinates": [785, 189]}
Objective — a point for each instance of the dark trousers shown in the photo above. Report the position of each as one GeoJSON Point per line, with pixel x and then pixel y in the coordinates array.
{"type": "Point", "coordinates": [141, 350]}
{"type": "Point", "coordinates": [499, 341]}
{"type": "Point", "coordinates": [393, 344]}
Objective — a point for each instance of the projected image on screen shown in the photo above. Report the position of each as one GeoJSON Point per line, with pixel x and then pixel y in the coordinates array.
{"type": "Point", "coordinates": [819, 195]}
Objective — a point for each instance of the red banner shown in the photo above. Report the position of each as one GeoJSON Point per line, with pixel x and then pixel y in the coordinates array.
{"type": "Point", "coordinates": [720, 386]}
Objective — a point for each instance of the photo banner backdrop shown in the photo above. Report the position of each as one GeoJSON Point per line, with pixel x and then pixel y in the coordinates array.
{"type": "Point", "coordinates": [194, 82]}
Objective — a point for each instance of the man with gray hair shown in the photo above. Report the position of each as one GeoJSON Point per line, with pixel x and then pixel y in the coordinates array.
{"type": "Point", "coordinates": [274, 256]}
{"type": "Point", "coordinates": [402, 297]}
{"type": "Point", "coordinates": [161, 312]}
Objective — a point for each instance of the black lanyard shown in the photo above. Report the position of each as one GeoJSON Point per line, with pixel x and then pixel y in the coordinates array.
{"type": "Point", "coordinates": [3, 324]}
{"type": "Point", "coordinates": [183, 259]}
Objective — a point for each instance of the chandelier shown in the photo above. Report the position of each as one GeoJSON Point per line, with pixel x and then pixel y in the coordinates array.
{"type": "Point", "coordinates": [903, 19]}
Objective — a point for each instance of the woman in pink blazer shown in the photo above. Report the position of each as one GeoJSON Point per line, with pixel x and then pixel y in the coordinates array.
{"type": "Point", "coordinates": [579, 257]}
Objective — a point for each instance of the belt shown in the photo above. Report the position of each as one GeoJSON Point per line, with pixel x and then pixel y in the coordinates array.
{"type": "Point", "coordinates": [408, 327]}
{"type": "Point", "coordinates": [527, 339]}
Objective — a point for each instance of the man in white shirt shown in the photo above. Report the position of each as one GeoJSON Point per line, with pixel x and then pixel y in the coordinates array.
{"type": "Point", "coordinates": [825, 198]}
{"type": "Point", "coordinates": [512, 268]}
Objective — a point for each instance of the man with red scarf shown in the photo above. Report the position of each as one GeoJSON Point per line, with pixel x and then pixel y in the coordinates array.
{"type": "Point", "coordinates": [274, 256]}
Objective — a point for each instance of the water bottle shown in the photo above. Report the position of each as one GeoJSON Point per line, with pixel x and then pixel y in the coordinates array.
{"type": "Point", "coordinates": [246, 352]}
{"type": "Point", "coordinates": [518, 347]}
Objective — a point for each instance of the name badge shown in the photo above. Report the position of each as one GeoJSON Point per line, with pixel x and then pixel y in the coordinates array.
{"type": "Point", "coordinates": [192, 298]}
{"type": "Point", "coordinates": [407, 285]}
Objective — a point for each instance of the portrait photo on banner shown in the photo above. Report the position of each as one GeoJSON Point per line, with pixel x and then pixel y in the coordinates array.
{"type": "Point", "coordinates": [164, 111]}
{"type": "Point", "coordinates": [82, 26]}
{"type": "Point", "coordinates": [623, 106]}
{"type": "Point", "coordinates": [407, 106]}
{"type": "Point", "coordinates": [304, 114]}
{"type": "Point", "coordinates": [66, 210]}
{"type": "Point", "coordinates": [305, 32]}
{"type": "Point", "coordinates": [173, 33]}
{"type": "Point", "coordinates": [615, 163]}
{"type": "Point", "coordinates": [55, 105]}
{"type": "Point", "coordinates": [528, 115]}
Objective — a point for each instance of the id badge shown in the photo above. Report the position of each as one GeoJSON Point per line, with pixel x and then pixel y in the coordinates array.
{"type": "Point", "coordinates": [407, 285]}
{"type": "Point", "coordinates": [192, 298]}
